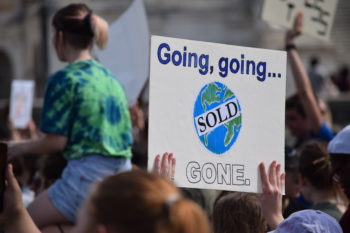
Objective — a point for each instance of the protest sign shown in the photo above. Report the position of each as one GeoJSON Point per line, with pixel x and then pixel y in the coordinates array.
{"type": "Point", "coordinates": [21, 102]}
{"type": "Point", "coordinates": [127, 52]}
{"type": "Point", "coordinates": [219, 108]}
{"type": "Point", "coordinates": [318, 15]}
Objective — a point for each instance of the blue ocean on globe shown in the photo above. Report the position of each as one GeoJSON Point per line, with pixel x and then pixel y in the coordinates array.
{"type": "Point", "coordinates": [223, 137]}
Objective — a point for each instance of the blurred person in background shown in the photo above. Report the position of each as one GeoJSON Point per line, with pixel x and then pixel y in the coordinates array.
{"type": "Point", "coordinates": [339, 150]}
{"type": "Point", "coordinates": [315, 76]}
{"type": "Point", "coordinates": [50, 169]}
{"type": "Point", "coordinates": [304, 117]}
{"type": "Point", "coordinates": [342, 79]}
{"type": "Point", "coordinates": [140, 134]}
{"type": "Point", "coordinates": [292, 200]}
{"type": "Point", "coordinates": [317, 183]}
{"type": "Point", "coordinates": [24, 168]}
{"type": "Point", "coordinates": [85, 115]}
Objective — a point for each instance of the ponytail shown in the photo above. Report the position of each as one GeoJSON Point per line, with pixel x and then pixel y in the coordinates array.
{"type": "Point", "coordinates": [315, 165]}
{"type": "Point", "coordinates": [99, 28]}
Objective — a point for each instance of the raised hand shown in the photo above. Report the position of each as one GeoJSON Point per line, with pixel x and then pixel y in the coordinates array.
{"type": "Point", "coordinates": [271, 198]}
{"type": "Point", "coordinates": [165, 166]}
{"type": "Point", "coordinates": [296, 30]}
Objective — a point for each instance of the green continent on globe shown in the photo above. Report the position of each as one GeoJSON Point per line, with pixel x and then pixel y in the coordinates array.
{"type": "Point", "coordinates": [230, 129]}
{"type": "Point", "coordinates": [228, 94]}
{"type": "Point", "coordinates": [210, 95]}
{"type": "Point", "coordinates": [230, 125]}
{"type": "Point", "coordinates": [206, 139]}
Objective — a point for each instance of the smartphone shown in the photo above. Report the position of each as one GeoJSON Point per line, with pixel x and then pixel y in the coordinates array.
{"type": "Point", "coordinates": [3, 165]}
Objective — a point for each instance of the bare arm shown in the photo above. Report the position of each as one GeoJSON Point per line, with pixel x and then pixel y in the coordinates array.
{"type": "Point", "coordinates": [15, 217]}
{"type": "Point", "coordinates": [302, 80]}
{"type": "Point", "coordinates": [47, 144]}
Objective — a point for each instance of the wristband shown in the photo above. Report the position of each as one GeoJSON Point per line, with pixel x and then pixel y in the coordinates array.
{"type": "Point", "coordinates": [290, 47]}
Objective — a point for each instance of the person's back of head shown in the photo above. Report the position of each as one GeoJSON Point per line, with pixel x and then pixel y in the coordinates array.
{"type": "Point", "coordinates": [78, 27]}
{"type": "Point", "coordinates": [315, 165]}
{"type": "Point", "coordinates": [238, 212]}
{"type": "Point", "coordinates": [138, 202]}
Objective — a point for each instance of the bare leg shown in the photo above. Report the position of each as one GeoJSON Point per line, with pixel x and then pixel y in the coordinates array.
{"type": "Point", "coordinates": [44, 213]}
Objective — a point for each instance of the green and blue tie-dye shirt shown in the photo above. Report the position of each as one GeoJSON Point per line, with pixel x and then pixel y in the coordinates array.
{"type": "Point", "coordinates": [85, 103]}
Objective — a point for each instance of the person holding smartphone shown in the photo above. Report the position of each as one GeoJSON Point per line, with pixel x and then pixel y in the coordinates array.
{"type": "Point", "coordinates": [85, 115]}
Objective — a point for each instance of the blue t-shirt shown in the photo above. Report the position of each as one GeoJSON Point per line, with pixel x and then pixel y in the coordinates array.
{"type": "Point", "coordinates": [324, 134]}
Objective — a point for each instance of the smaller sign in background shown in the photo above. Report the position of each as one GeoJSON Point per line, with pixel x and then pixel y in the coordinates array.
{"type": "Point", "coordinates": [318, 15]}
{"type": "Point", "coordinates": [21, 103]}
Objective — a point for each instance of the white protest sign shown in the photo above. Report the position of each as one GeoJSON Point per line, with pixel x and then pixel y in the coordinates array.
{"type": "Point", "coordinates": [219, 108]}
{"type": "Point", "coordinates": [21, 102]}
{"type": "Point", "coordinates": [318, 15]}
{"type": "Point", "coordinates": [127, 52]}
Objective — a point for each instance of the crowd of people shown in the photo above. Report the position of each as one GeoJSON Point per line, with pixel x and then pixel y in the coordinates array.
{"type": "Point", "coordinates": [82, 172]}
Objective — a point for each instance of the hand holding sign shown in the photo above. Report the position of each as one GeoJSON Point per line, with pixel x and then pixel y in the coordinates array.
{"type": "Point", "coordinates": [271, 198]}
{"type": "Point", "coordinates": [165, 167]}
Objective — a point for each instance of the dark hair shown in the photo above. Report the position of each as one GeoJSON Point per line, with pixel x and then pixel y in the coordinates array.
{"type": "Point", "coordinates": [294, 102]}
{"type": "Point", "coordinates": [314, 61]}
{"type": "Point", "coordinates": [238, 212]}
{"type": "Point", "coordinates": [5, 131]}
{"type": "Point", "coordinates": [80, 26]}
{"type": "Point", "coordinates": [316, 166]}
{"type": "Point", "coordinates": [340, 164]}
{"type": "Point", "coordinates": [344, 71]}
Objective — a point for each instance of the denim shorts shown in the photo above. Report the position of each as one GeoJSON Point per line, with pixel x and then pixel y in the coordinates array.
{"type": "Point", "coordinates": [68, 192]}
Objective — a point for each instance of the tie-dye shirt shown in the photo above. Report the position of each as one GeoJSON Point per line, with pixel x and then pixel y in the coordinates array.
{"type": "Point", "coordinates": [85, 103]}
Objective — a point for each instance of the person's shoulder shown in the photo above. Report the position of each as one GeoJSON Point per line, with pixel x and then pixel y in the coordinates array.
{"type": "Point", "coordinates": [325, 132]}
{"type": "Point", "coordinates": [58, 74]}
{"type": "Point", "coordinates": [107, 72]}
{"type": "Point", "coordinates": [62, 76]}
{"type": "Point", "coordinates": [80, 68]}
{"type": "Point", "coordinates": [72, 76]}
